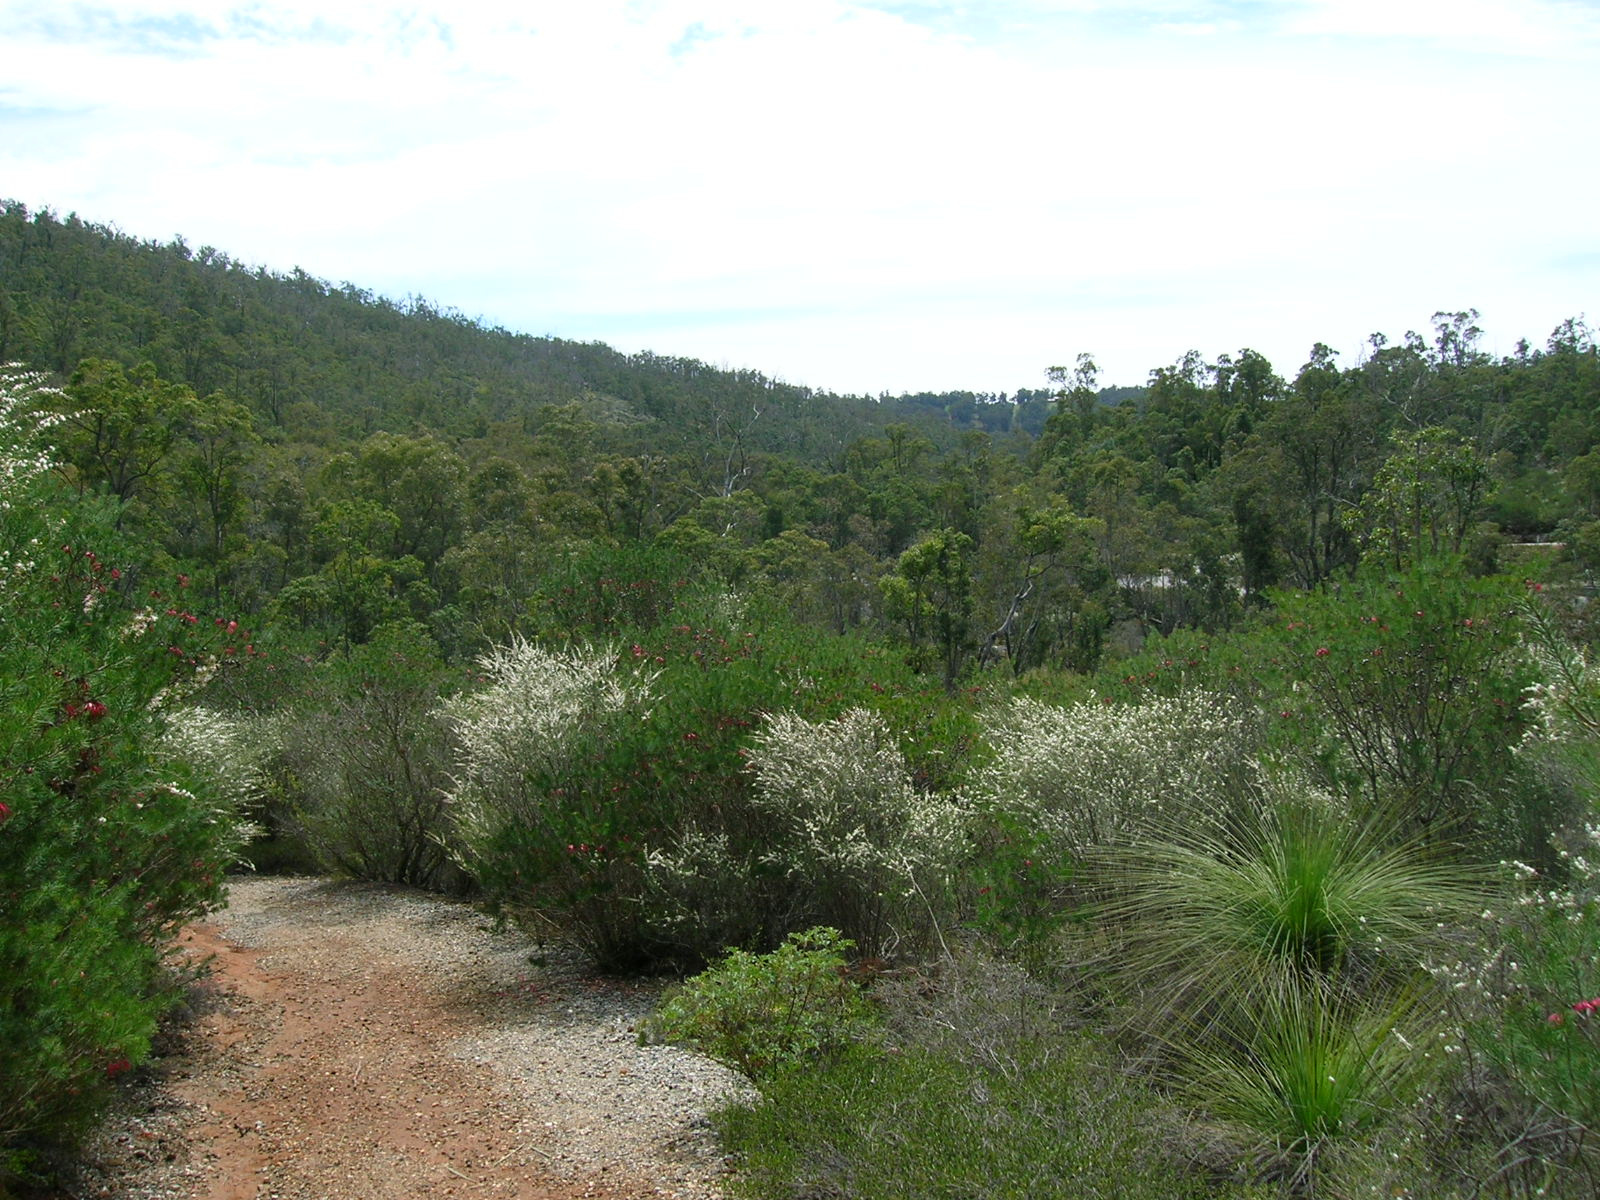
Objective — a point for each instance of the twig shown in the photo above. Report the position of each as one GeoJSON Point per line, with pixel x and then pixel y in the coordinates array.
{"type": "Point", "coordinates": [453, 1171]}
{"type": "Point", "coordinates": [530, 1146]}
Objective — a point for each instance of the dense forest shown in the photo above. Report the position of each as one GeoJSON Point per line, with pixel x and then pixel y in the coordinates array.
{"type": "Point", "coordinates": [1027, 693]}
{"type": "Point", "coordinates": [346, 459]}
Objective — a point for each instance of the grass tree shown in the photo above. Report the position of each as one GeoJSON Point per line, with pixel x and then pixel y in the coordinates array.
{"type": "Point", "coordinates": [1274, 961]}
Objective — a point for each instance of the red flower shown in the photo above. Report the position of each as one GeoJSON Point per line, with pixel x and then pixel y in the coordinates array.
{"type": "Point", "coordinates": [5, 812]}
{"type": "Point", "coordinates": [1323, 652]}
{"type": "Point", "coordinates": [116, 1067]}
{"type": "Point", "coordinates": [1587, 1006]}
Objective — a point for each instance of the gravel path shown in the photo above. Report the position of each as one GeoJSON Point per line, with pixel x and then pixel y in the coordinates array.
{"type": "Point", "coordinates": [356, 1040]}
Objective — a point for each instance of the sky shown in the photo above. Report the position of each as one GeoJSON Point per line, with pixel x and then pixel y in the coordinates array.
{"type": "Point", "coordinates": [862, 196]}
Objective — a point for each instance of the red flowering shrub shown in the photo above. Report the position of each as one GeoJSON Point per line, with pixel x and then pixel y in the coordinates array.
{"type": "Point", "coordinates": [104, 844]}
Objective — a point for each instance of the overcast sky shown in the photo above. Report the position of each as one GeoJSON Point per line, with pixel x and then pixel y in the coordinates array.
{"type": "Point", "coordinates": [858, 195]}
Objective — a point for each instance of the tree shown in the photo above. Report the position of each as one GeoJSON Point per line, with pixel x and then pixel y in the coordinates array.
{"type": "Point", "coordinates": [1044, 550]}
{"type": "Point", "coordinates": [123, 428]}
{"type": "Point", "coordinates": [1423, 502]}
{"type": "Point", "coordinates": [930, 593]}
{"type": "Point", "coordinates": [1324, 435]}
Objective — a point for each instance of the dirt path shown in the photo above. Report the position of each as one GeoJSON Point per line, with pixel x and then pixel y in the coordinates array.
{"type": "Point", "coordinates": [359, 1041]}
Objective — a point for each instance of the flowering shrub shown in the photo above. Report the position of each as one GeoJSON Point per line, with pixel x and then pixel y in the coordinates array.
{"type": "Point", "coordinates": [610, 794]}
{"type": "Point", "coordinates": [1525, 1000]}
{"type": "Point", "coordinates": [109, 838]}
{"type": "Point", "coordinates": [225, 753]}
{"type": "Point", "coordinates": [1095, 773]}
{"type": "Point", "coordinates": [529, 821]}
{"type": "Point", "coordinates": [873, 853]}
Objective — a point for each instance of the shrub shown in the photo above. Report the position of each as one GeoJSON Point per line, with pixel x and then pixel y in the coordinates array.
{"type": "Point", "coordinates": [1417, 680]}
{"type": "Point", "coordinates": [530, 823]}
{"type": "Point", "coordinates": [108, 839]}
{"type": "Point", "coordinates": [981, 1089]}
{"type": "Point", "coordinates": [360, 764]}
{"type": "Point", "coordinates": [1097, 773]}
{"type": "Point", "coordinates": [1271, 965]}
{"type": "Point", "coordinates": [873, 854]}
{"type": "Point", "coordinates": [1296, 886]}
{"type": "Point", "coordinates": [766, 1014]}
{"type": "Point", "coordinates": [612, 799]}
{"type": "Point", "coordinates": [1527, 998]}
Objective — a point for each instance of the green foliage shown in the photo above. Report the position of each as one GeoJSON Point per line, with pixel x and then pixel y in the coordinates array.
{"type": "Point", "coordinates": [1296, 886]}
{"type": "Point", "coordinates": [983, 1093]}
{"type": "Point", "coordinates": [1423, 502]}
{"type": "Point", "coordinates": [635, 825]}
{"type": "Point", "coordinates": [359, 762]}
{"type": "Point", "coordinates": [1273, 962]}
{"type": "Point", "coordinates": [1304, 1077]}
{"type": "Point", "coordinates": [917, 1125]}
{"type": "Point", "coordinates": [108, 839]}
{"type": "Point", "coordinates": [1530, 1001]}
{"type": "Point", "coordinates": [1418, 679]}
{"type": "Point", "coordinates": [930, 593]}
{"type": "Point", "coordinates": [765, 1015]}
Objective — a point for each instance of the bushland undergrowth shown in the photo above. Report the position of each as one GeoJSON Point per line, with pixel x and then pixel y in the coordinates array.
{"type": "Point", "coordinates": [1229, 919]}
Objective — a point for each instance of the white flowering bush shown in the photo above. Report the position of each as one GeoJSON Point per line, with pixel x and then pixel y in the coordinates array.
{"type": "Point", "coordinates": [1097, 773]}
{"type": "Point", "coordinates": [1526, 1003]}
{"type": "Point", "coordinates": [534, 813]}
{"type": "Point", "coordinates": [525, 726]}
{"type": "Point", "coordinates": [227, 754]}
{"type": "Point", "coordinates": [874, 853]}
{"type": "Point", "coordinates": [24, 420]}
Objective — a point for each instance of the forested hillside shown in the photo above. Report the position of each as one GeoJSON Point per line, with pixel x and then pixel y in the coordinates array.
{"type": "Point", "coordinates": [377, 458]}
{"type": "Point", "coordinates": [1233, 737]}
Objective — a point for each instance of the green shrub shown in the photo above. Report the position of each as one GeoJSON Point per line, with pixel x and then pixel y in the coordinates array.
{"type": "Point", "coordinates": [1296, 886]}
{"type": "Point", "coordinates": [612, 798]}
{"type": "Point", "coordinates": [766, 1014]}
{"type": "Point", "coordinates": [359, 766]}
{"type": "Point", "coordinates": [1272, 969]}
{"type": "Point", "coordinates": [109, 840]}
{"type": "Point", "coordinates": [1411, 686]}
{"type": "Point", "coordinates": [982, 1090]}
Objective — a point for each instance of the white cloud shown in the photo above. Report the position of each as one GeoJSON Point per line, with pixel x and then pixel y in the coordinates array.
{"type": "Point", "coordinates": [853, 195]}
{"type": "Point", "coordinates": [1540, 27]}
